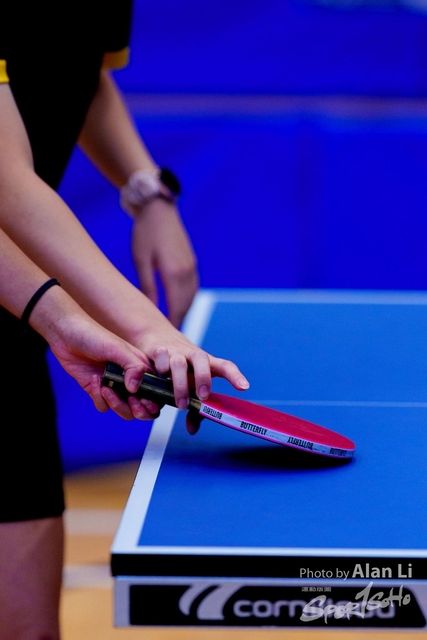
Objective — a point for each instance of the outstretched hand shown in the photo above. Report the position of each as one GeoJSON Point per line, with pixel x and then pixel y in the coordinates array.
{"type": "Point", "coordinates": [189, 366]}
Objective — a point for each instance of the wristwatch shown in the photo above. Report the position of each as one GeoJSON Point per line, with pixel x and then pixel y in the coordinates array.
{"type": "Point", "coordinates": [144, 185]}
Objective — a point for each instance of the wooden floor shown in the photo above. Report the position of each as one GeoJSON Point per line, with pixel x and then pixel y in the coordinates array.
{"type": "Point", "coordinates": [95, 500]}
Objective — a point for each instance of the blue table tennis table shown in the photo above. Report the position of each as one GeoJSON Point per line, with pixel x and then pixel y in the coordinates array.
{"type": "Point", "coordinates": [222, 529]}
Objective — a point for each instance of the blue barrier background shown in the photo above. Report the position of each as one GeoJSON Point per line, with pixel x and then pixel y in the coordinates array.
{"type": "Point", "coordinates": [277, 46]}
{"type": "Point", "coordinates": [300, 135]}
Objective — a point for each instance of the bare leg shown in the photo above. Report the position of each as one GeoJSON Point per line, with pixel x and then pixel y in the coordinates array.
{"type": "Point", "coordinates": [31, 558]}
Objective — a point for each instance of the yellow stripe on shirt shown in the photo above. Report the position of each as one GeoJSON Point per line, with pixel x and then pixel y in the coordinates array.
{"type": "Point", "coordinates": [116, 59]}
{"type": "Point", "coordinates": [3, 73]}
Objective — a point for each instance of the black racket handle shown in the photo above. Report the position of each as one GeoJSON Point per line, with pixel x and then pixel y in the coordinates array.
{"type": "Point", "coordinates": [152, 387]}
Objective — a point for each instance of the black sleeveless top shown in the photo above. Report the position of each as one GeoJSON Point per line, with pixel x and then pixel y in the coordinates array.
{"type": "Point", "coordinates": [54, 51]}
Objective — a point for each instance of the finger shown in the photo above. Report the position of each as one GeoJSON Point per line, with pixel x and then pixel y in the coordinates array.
{"type": "Point", "coordinates": [179, 373]}
{"type": "Point", "coordinates": [180, 291]}
{"type": "Point", "coordinates": [118, 406]}
{"type": "Point", "coordinates": [152, 407]}
{"type": "Point", "coordinates": [141, 411]}
{"type": "Point", "coordinates": [161, 360]}
{"type": "Point", "coordinates": [193, 420]}
{"type": "Point", "coordinates": [228, 370]}
{"type": "Point", "coordinates": [201, 372]}
{"type": "Point", "coordinates": [96, 395]}
{"type": "Point", "coordinates": [133, 376]}
{"type": "Point", "coordinates": [147, 280]}
{"type": "Point", "coordinates": [134, 363]}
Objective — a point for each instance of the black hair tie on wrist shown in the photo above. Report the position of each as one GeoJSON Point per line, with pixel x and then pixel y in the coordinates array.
{"type": "Point", "coordinates": [35, 298]}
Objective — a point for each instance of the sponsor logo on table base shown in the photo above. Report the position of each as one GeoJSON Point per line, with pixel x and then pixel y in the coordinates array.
{"type": "Point", "coordinates": [230, 603]}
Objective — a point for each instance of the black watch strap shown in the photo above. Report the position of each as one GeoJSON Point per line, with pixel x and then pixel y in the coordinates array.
{"type": "Point", "coordinates": [169, 179]}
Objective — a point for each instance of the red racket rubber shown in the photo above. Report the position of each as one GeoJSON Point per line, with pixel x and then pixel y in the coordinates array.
{"type": "Point", "coordinates": [247, 417]}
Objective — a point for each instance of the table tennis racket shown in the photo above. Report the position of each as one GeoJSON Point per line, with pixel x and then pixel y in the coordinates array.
{"type": "Point", "coordinates": [248, 417]}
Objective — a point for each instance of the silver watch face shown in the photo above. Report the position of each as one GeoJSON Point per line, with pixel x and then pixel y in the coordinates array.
{"type": "Point", "coordinates": [145, 184]}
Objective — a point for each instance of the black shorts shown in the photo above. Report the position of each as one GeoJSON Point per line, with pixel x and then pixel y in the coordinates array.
{"type": "Point", "coordinates": [30, 460]}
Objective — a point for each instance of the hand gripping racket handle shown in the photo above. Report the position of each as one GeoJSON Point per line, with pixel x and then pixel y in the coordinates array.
{"type": "Point", "coordinates": [152, 387]}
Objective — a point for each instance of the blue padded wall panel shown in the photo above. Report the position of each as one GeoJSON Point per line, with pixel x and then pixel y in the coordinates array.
{"type": "Point", "coordinates": [276, 46]}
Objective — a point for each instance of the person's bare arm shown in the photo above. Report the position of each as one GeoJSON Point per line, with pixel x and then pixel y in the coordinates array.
{"type": "Point", "coordinates": [80, 344]}
{"type": "Point", "coordinates": [46, 230]}
{"type": "Point", "coordinates": [160, 242]}
{"type": "Point", "coordinates": [109, 136]}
